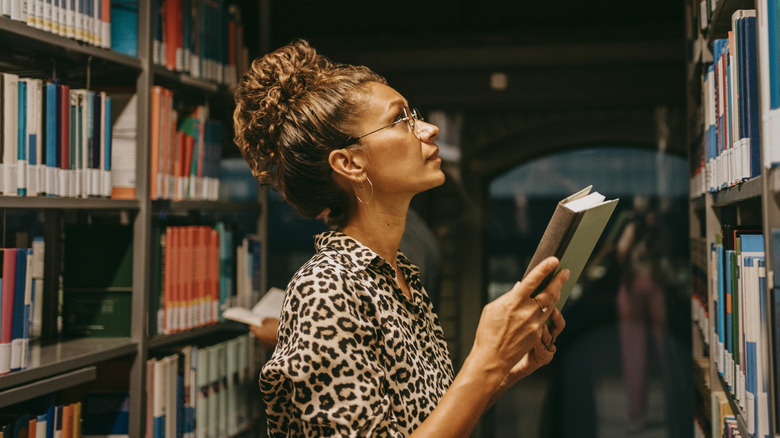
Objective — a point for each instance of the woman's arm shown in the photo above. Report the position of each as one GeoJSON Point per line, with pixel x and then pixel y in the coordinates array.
{"type": "Point", "coordinates": [510, 330]}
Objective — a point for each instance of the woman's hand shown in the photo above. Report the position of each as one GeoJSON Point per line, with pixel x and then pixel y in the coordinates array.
{"type": "Point", "coordinates": [266, 333]}
{"type": "Point", "coordinates": [512, 333]}
{"type": "Point", "coordinates": [540, 355]}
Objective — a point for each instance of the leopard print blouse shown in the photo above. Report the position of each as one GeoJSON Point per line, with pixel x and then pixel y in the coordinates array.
{"type": "Point", "coordinates": [355, 357]}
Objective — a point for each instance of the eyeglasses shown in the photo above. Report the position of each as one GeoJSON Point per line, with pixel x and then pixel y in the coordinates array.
{"type": "Point", "coordinates": [411, 117]}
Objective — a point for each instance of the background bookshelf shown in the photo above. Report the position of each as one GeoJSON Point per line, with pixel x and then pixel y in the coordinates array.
{"type": "Point", "coordinates": [721, 331]}
{"type": "Point", "coordinates": [63, 368]}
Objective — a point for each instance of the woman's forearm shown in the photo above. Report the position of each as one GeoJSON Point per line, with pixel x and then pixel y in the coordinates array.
{"type": "Point", "coordinates": [471, 393]}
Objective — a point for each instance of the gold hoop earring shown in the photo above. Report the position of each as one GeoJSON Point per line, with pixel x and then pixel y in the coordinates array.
{"type": "Point", "coordinates": [359, 185]}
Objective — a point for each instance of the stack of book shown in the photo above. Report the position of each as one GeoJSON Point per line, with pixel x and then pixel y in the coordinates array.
{"type": "Point", "coordinates": [199, 273]}
{"type": "Point", "coordinates": [61, 420]}
{"type": "Point", "coordinates": [197, 391]}
{"type": "Point", "coordinates": [21, 293]}
{"type": "Point", "coordinates": [57, 140]}
{"type": "Point", "coordinates": [204, 38]}
{"type": "Point", "coordinates": [738, 294]}
{"type": "Point", "coordinates": [732, 144]}
{"type": "Point", "coordinates": [185, 150]}
{"type": "Point", "coordinates": [88, 21]}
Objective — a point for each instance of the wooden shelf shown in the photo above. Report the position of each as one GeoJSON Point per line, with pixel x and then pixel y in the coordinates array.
{"type": "Point", "coordinates": [192, 335]}
{"type": "Point", "coordinates": [46, 386]}
{"type": "Point", "coordinates": [748, 190]}
{"type": "Point", "coordinates": [173, 207]}
{"type": "Point", "coordinates": [49, 360]}
{"type": "Point", "coordinates": [42, 202]}
{"type": "Point", "coordinates": [738, 414]}
{"type": "Point", "coordinates": [177, 79]}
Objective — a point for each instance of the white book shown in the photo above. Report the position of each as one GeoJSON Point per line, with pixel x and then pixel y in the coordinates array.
{"type": "Point", "coordinates": [213, 404]}
{"type": "Point", "coordinates": [123, 146]}
{"type": "Point", "coordinates": [79, 21]}
{"type": "Point", "coordinates": [55, 17]}
{"type": "Point", "coordinates": [38, 247]}
{"type": "Point", "coordinates": [97, 33]}
{"type": "Point", "coordinates": [5, 7]}
{"type": "Point", "coordinates": [9, 97]}
{"type": "Point", "coordinates": [28, 310]}
{"type": "Point", "coordinates": [222, 395]}
{"type": "Point", "coordinates": [70, 18]}
{"type": "Point", "coordinates": [203, 390]}
{"type": "Point", "coordinates": [31, 12]}
{"type": "Point", "coordinates": [232, 390]}
{"type": "Point", "coordinates": [159, 399]}
{"type": "Point", "coordinates": [46, 23]}
{"type": "Point", "coordinates": [270, 306]}
{"type": "Point", "coordinates": [34, 139]}
{"type": "Point", "coordinates": [16, 10]}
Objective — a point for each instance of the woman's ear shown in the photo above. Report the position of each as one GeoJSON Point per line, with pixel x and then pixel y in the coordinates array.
{"type": "Point", "coordinates": [346, 163]}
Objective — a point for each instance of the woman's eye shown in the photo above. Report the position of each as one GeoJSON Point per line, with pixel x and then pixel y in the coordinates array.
{"type": "Point", "coordinates": [400, 117]}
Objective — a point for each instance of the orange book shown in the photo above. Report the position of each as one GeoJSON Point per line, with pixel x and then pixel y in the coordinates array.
{"type": "Point", "coordinates": [214, 271]}
{"type": "Point", "coordinates": [168, 280]}
{"type": "Point", "coordinates": [192, 254]}
{"type": "Point", "coordinates": [31, 427]}
{"type": "Point", "coordinates": [203, 286]}
{"type": "Point", "coordinates": [178, 167]}
{"type": "Point", "coordinates": [154, 158]}
{"type": "Point", "coordinates": [67, 421]}
{"type": "Point", "coordinates": [170, 158]}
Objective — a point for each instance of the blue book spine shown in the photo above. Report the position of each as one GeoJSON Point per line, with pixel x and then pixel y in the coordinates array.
{"type": "Point", "coordinates": [773, 32]}
{"type": "Point", "coordinates": [751, 82]}
{"type": "Point", "coordinates": [728, 307]}
{"type": "Point", "coordinates": [124, 27]}
{"type": "Point", "coordinates": [775, 241]}
{"type": "Point", "coordinates": [28, 306]}
{"type": "Point", "coordinates": [51, 126]}
{"type": "Point", "coordinates": [73, 131]}
{"type": "Point", "coordinates": [107, 134]}
{"type": "Point", "coordinates": [17, 323]}
{"type": "Point", "coordinates": [739, 43]}
{"type": "Point", "coordinates": [90, 137]}
{"type": "Point", "coordinates": [721, 310]}
{"type": "Point", "coordinates": [21, 189]}
{"type": "Point", "coordinates": [96, 130]}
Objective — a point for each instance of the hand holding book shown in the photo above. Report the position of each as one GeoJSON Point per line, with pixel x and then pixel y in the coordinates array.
{"type": "Point", "coordinates": [572, 234]}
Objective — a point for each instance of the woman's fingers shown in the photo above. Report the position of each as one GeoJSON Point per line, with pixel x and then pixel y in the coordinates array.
{"type": "Point", "coordinates": [557, 324]}
{"type": "Point", "coordinates": [538, 274]}
{"type": "Point", "coordinates": [548, 298]}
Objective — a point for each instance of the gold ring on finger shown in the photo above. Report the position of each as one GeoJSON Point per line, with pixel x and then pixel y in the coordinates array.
{"type": "Point", "coordinates": [540, 305]}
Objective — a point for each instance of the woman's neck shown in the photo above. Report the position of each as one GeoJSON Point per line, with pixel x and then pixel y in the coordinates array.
{"type": "Point", "coordinates": [381, 232]}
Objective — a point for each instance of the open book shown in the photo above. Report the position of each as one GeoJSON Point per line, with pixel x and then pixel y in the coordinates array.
{"type": "Point", "coordinates": [270, 306]}
{"type": "Point", "coordinates": [571, 235]}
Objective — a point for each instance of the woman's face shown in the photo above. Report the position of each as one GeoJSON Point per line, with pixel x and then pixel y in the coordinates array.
{"type": "Point", "coordinates": [396, 161]}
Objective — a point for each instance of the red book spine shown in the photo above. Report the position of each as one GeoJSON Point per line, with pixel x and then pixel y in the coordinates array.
{"type": "Point", "coordinates": [7, 308]}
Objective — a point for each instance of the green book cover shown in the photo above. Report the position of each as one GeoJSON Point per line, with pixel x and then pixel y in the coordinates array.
{"type": "Point", "coordinates": [97, 280]}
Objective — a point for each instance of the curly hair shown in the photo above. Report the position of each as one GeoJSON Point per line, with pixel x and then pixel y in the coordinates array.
{"type": "Point", "coordinates": [293, 107]}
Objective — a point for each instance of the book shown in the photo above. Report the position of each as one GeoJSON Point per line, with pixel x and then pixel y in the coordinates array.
{"type": "Point", "coordinates": [6, 308]}
{"type": "Point", "coordinates": [97, 280]}
{"type": "Point", "coordinates": [571, 235]}
{"type": "Point", "coordinates": [270, 306]}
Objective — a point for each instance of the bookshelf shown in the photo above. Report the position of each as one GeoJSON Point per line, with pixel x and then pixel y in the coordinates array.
{"type": "Point", "coordinates": [59, 363]}
{"type": "Point", "coordinates": [721, 355]}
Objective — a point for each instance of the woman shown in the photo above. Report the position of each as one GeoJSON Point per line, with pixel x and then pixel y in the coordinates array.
{"type": "Point", "coordinates": [360, 351]}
